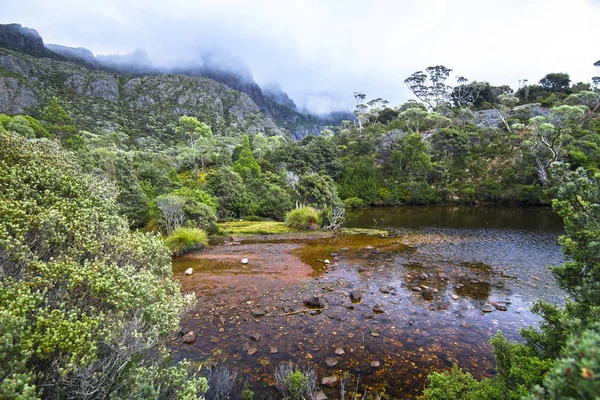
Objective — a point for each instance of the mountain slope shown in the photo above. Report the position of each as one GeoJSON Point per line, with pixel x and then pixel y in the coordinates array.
{"type": "Point", "coordinates": [109, 102]}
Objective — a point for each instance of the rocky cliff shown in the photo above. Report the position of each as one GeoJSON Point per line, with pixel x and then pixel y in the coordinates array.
{"type": "Point", "coordinates": [112, 102]}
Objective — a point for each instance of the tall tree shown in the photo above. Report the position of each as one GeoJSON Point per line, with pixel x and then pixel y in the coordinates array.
{"type": "Point", "coordinates": [430, 86]}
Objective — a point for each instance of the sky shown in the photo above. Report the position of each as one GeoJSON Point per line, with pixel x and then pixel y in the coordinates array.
{"type": "Point", "coordinates": [320, 52]}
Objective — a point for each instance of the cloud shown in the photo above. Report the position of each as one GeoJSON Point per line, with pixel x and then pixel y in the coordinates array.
{"type": "Point", "coordinates": [320, 52]}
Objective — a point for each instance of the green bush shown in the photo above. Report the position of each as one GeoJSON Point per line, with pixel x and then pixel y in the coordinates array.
{"type": "Point", "coordinates": [303, 218]}
{"type": "Point", "coordinates": [457, 384]}
{"type": "Point", "coordinates": [84, 299]}
{"type": "Point", "coordinates": [200, 215]}
{"type": "Point", "coordinates": [183, 240]}
{"type": "Point", "coordinates": [354, 202]}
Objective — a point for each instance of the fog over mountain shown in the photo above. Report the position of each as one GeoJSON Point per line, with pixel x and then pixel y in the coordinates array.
{"type": "Point", "coordinates": [319, 53]}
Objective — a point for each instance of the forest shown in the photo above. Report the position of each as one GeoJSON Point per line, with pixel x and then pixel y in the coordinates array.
{"type": "Point", "coordinates": [90, 219]}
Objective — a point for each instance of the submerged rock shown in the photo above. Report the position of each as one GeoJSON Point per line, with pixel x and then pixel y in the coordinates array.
{"type": "Point", "coordinates": [331, 361]}
{"type": "Point", "coordinates": [252, 351]}
{"type": "Point", "coordinates": [244, 261]}
{"type": "Point", "coordinates": [330, 381]}
{"type": "Point", "coordinates": [319, 396]}
{"type": "Point", "coordinates": [378, 308]}
{"type": "Point", "coordinates": [189, 271]}
{"type": "Point", "coordinates": [339, 351]}
{"type": "Point", "coordinates": [375, 364]}
{"type": "Point", "coordinates": [355, 295]}
{"type": "Point", "coordinates": [501, 307]}
{"type": "Point", "coordinates": [189, 337]}
{"type": "Point", "coordinates": [316, 301]}
{"type": "Point", "coordinates": [487, 308]}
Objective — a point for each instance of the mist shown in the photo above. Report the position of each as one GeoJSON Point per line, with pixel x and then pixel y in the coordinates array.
{"type": "Point", "coordinates": [322, 52]}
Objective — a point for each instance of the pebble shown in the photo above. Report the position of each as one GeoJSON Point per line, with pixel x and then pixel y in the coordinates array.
{"type": "Point", "coordinates": [378, 308]}
{"type": "Point", "coordinates": [375, 364]}
{"type": "Point", "coordinates": [256, 336]}
{"type": "Point", "coordinates": [274, 350]}
{"type": "Point", "coordinates": [454, 297]}
{"type": "Point", "coordinates": [244, 261]}
{"type": "Point", "coordinates": [252, 351]}
{"type": "Point", "coordinates": [423, 276]}
{"type": "Point", "coordinates": [339, 351]}
{"type": "Point", "coordinates": [501, 307]}
{"type": "Point", "coordinates": [189, 271]}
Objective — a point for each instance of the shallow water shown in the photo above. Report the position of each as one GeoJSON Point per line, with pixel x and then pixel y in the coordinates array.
{"type": "Point", "coordinates": [471, 256]}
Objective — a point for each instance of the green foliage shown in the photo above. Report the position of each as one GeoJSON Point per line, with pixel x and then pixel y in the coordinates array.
{"type": "Point", "coordinates": [317, 190]}
{"type": "Point", "coordinates": [83, 300]}
{"type": "Point", "coordinates": [60, 124]}
{"type": "Point", "coordinates": [183, 240]}
{"type": "Point", "coordinates": [228, 187]}
{"type": "Point", "coordinates": [575, 374]}
{"type": "Point", "coordinates": [275, 201]}
{"type": "Point", "coordinates": [303, 218]}
{"type": "Point", "coordinates": [20, 125]}
{"type": "Point", "coordinates": [457, 384]}
{"type": "Point", "coordinates": [200, 215]}
{"type": "Point", "coordinates": [354, 202]}
{"type": "Point", "coordinates": [246, 165]}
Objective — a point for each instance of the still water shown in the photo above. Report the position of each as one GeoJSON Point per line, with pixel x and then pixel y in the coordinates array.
{"type": "Point", "coordinates": [422, 291]}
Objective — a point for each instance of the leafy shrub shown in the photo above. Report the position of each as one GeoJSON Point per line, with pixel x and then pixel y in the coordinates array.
{"type": "Point", "coordinates": [84, 299]}
{"type": "Point", "coordinates": [354, 202]}
{"type": "Point", "coordinates": [200, 215]}
{"type": "Point", "coordinates": [183, 240]}
{"type": "Point", "coordinates": [457, 384]}
{"type": "Point", "coordinates": [303, 218]}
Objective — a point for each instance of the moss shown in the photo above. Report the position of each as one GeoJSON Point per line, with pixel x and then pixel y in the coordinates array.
{"type": "Point", "coordinates": [363, 231]}
{"type": "Point", "coordinates": [253, 228]}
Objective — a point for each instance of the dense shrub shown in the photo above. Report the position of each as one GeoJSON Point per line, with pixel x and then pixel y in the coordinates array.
{"type": "Point", "coordinates": [84, 301]}
{"type": "Point", "coordinates": [354, 202]}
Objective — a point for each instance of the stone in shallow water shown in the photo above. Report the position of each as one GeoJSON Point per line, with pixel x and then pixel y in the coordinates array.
{"type": "Point", "coordinates": [423, 276]}
{"type": "Point", "coordinates": [375, 364]}
{"type": "Point", "coordinates": [378, 308]}
{"type": "Point", "coordinates": [189, 337]}
{"type": "Point", "coordinates": [244, 261]}
{"type": "Point", "coordinates": [189, 271]}
{"type": "Point", "coordinates": [319, 396]}
{"type": "Point", "coordinates": [487, 308]}
{"type": "Point", "coordinates": [274, 350]}
{"type": "Point", "coordinates": [501, 307]}
{"type": "Point", "coordinates": [252, 351]}
{"type": "Point", "coordinates": [330, 381]}
{"type": "Point", "coordinates": [339, 351]}
{"type": "Point", "coordinates": [256, 336]}
{"type": "Point", "coordinates": [454, 297]}
{"type": "Point", "coordinates": [355, 295]}
{"type": "Point", "coordinates": [331, 361]}
{"type": "Point", "coordinates": [416, 288]}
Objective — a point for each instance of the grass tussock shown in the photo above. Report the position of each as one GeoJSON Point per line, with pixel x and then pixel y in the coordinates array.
{"type": "Point", "coordinates": [183, 240]}
{"type": "Point", "coordinates": [306, 218]}
{"type": "Point", "coordinates": [236, 228]}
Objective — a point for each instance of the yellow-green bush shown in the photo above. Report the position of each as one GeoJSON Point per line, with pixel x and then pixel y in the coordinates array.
{"type": "Point", "coordinates": [185, 239]}
{"type": "Point", "coordinates": [303, 218]}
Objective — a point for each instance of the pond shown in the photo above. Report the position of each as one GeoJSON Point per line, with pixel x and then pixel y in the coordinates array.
{"type": "Point", "coordinates": [431, 294]}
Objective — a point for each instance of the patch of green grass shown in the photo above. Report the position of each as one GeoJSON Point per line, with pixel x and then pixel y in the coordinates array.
{"type": "Point", "coordinates": [253, 228]}
{"type": "Point", "coordinates": [183, 240]}
{"type": "Point", "coordinates": [303, 218]}
{"type": "Point", "coordinates": [363, 231]}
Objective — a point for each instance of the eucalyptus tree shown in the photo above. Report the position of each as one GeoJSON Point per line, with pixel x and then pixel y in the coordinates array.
{"type": "Point", "coordinates": [430, 86]}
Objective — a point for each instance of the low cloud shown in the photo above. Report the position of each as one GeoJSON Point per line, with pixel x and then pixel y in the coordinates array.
{"type": "Point", "coordinates": [321, 52]}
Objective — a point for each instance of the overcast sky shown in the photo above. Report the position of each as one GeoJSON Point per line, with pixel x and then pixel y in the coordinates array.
{"type": "Point", "coordinates": [320, 52]}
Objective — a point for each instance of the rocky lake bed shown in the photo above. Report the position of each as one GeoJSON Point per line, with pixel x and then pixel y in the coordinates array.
{"type": "Point", "coordinates": [386, 309]}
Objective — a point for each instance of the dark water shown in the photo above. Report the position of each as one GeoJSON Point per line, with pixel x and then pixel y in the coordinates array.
{"type": "Point", "coordinates": [471, 257]}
